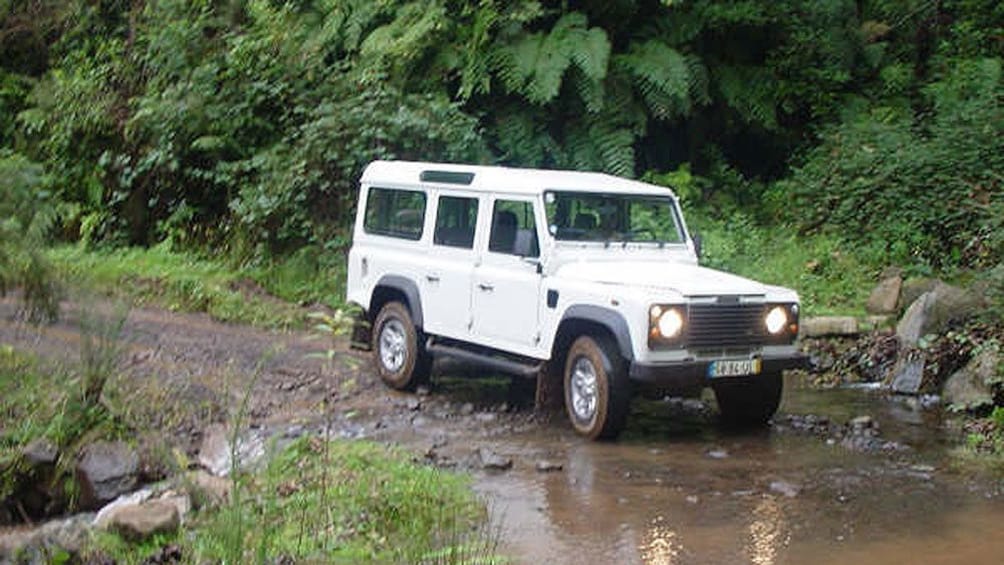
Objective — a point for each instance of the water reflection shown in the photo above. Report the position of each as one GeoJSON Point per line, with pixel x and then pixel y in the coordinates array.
{"type": "Point", "coordinates": [768, 532]}
{"type": "Point", "coordinates": [660, 545]}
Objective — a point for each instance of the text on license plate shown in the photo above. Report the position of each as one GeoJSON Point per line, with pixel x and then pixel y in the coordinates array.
{"type": "Point", "coordinates": [734, 368]}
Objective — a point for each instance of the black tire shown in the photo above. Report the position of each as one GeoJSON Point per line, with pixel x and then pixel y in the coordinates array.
{"type": "Point", "coordinates": [398, 352]}
{"type": "Point", "coordinates": [748, 402]}
{"type": "Point", "coordinates": [605, 418]}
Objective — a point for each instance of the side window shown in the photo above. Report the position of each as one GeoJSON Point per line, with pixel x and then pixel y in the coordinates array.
{"type": "Point", "coordinates": [513, 229]}
{"type": "Point", "coordinates": [455, 221]}
{"type": "Point", "coordinates": [397, 213]}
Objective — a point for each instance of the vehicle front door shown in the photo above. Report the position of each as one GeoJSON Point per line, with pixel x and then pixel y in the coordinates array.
{"type": "Point", "coordinates": [507, 281]}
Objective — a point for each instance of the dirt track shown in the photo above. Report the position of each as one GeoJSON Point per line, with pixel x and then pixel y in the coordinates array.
{"type": "Point", "coordinates": [674, 489]}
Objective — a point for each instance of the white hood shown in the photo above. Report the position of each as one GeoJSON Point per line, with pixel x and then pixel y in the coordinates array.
{"type": "Point", "coordinates": [686, 280]}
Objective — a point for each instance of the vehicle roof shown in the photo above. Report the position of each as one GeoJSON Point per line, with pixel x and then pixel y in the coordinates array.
{"type": "Point", "coordinates": [506, 179]}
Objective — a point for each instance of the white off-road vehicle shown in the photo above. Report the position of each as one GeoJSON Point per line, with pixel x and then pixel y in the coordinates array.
{"type": "Point", "coordinates": [583, 279]}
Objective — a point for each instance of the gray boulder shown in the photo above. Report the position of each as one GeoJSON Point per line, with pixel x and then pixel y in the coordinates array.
{"type": "Point", "coordinates": [908, 373]}
{"type": "Point", "coordinates": [971, 388]}
{"type": "Point", "coordinates": [885, 296]}
{"type": "Point", "coordinates": [935, 310]}
{"type": "Point", "coordinates": [911, 290]}
{"type": "Point", "coordinates": [105, 471]}
{"type": "Point", "coordinates": [830, 326]}
{"type": "Point", "coordinates": [912, 325]}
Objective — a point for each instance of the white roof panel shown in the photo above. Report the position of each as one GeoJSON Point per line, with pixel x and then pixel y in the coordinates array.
{"type": "Point", "coordinates": [506, 179]}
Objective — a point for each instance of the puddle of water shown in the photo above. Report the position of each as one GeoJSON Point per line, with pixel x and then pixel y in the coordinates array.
{"type": "Point", "coordinates": [685, 492]}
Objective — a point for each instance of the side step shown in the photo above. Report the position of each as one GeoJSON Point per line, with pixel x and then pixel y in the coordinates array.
{"type": "Point", "coordinates": [488, 359]}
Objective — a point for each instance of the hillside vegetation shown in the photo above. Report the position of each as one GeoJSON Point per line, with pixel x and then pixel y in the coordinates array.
{"type": "Point", "coordinates": [872, 129]}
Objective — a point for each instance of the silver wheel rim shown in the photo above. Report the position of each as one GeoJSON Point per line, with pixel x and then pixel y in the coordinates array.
{"type": "Point", "coordinates": [584, 389]}
{"type": "Point", "coordinates": [393, 345]}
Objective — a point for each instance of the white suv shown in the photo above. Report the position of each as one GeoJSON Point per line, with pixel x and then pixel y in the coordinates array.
{"type": "Point", "coordinates": [582, 279]}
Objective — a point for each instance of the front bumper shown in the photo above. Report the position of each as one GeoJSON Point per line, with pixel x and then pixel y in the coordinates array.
{"type": "Point", "coordinates": [692, 374]}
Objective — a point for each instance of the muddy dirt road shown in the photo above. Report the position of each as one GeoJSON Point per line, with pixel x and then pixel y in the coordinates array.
{"type": "Point", "coordinates": [843, 476]}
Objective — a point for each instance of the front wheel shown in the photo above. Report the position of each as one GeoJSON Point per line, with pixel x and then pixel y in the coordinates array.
{"type": "Point", "coordinates": [748, 401]}
{"type": "Point", "coordinates": [597, 390]}
{"type": "Point", "coordinates": [401, 359]}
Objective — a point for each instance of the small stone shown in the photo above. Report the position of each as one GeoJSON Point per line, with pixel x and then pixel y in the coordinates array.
{"type": "Point", "coordinates": [789, 490]}
{"type": "Point", "coordinates": [467, 409]}
{"type": "Point", "coordinates": [140, 521]}
{"type": "Point", "coordinates": [863, 423]}
{"type": "Point", "coordinates": [207, 490]}
{"type": "Point", "coordinates": [40, 452]}
{"type": "Point", "coordinates": [486, 417]}
{"type": "Point", "coordinates": [693, 499]}
{"type": "Point", "coordinates": [422, 391]}
{"type": "Point", "coordinates": [413, 404]}
{"type": "Point", "coordinates": [718, 454]}
{"type": "Point", "coordinates": [493, 461]}
{"type": "Point", "coordinates": [105, 471]}
{"type": "Point", "coordinates": [546, 466]}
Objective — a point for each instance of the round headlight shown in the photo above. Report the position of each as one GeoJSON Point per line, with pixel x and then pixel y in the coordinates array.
{"type": "Point", "coordinates": [776, 319]}
{"type": "Point", "coordinates": [670, 323]}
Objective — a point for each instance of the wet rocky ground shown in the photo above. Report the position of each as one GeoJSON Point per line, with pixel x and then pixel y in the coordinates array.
{"type": "Point", "coordinates": [842, 475]}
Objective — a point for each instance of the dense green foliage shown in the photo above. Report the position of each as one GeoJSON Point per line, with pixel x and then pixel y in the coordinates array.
{"type": "Point", "coordinates": [241, 126]}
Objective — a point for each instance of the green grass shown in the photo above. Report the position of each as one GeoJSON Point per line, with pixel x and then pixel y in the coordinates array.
{"type": "Point", "coordinates": [830, 275]}
{"type": "Point", "coordinates": [178, 281]}
{"type": "Point", "coordinates": [44, 402]}
{"type": "Point", "coordinates": [334, 502]}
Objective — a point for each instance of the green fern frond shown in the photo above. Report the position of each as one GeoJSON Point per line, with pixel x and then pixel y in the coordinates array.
{"type": "Point", "coordinates": [750, 91]}
{"type": "Point", "coordinates": [662, 76]}
{"type": "Point", "coordinates": [534, 65]}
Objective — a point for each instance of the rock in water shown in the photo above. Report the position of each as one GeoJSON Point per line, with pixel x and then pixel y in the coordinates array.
{"type": "Point", "coordinates": [105, 471]}
{"type": "Point", "coordinates": [493, 461]}
{"type": "Point", "coordinates": [908, 375]}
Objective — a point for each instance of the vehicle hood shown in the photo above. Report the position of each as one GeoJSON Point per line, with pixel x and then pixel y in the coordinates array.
{"type": "Point", "coordinates": [686, 280]}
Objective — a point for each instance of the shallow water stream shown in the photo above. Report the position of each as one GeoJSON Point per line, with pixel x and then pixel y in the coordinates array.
{"type": "Point", "coordinates": [679, 490]}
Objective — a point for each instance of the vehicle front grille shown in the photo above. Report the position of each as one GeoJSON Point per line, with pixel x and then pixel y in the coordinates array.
{"type": "Point", "coordinates": [726, 325]}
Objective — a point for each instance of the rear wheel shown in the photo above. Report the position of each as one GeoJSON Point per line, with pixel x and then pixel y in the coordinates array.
{"type": "Point", "coordinates": [400, 357]}
{"type": "Point", "coordinates": [748, 401]}
{"type": "Point", "coordinates": [597, 390]}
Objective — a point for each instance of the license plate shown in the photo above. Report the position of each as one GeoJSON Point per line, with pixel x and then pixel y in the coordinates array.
{"type": "Point", "coordinates": [734, 368]}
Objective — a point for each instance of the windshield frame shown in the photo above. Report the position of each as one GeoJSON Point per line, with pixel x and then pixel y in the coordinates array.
{"type": "Point", "coordinates": [669, 199]}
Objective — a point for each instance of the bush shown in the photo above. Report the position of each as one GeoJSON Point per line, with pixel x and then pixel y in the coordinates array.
{"type": "Point", "coordinates": [25, 218]}
{"type": "Point", "coordinates": [927, 191]}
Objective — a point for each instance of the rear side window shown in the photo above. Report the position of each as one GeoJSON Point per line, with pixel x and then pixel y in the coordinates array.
{"type": "Point", "coordinates": [395, 213]}
{"type": "Point", "coordinates": [455, 221]}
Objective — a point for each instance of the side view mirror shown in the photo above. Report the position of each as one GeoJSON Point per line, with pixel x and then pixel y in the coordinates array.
{"type": "Point", "coordinates": [696, 238]}
{"type": "Point", "coordinates": [535, 261]}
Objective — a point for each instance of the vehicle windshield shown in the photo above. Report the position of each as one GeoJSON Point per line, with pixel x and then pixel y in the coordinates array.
{"type": "Point", "coordinates": [591, 216]}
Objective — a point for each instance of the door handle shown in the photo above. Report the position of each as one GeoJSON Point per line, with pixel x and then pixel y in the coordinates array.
{"type": "Point", "coordinates": [487, 287]}
{"type": "Point", "coordinates": [432, 278]}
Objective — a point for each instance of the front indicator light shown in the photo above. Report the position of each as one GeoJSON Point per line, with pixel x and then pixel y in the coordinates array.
{"type": "Point", "coordinates": [776, 320]}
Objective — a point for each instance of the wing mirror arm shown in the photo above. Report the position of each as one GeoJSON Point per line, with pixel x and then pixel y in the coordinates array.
{"type": "Point", "coordinates": [697, 240]}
